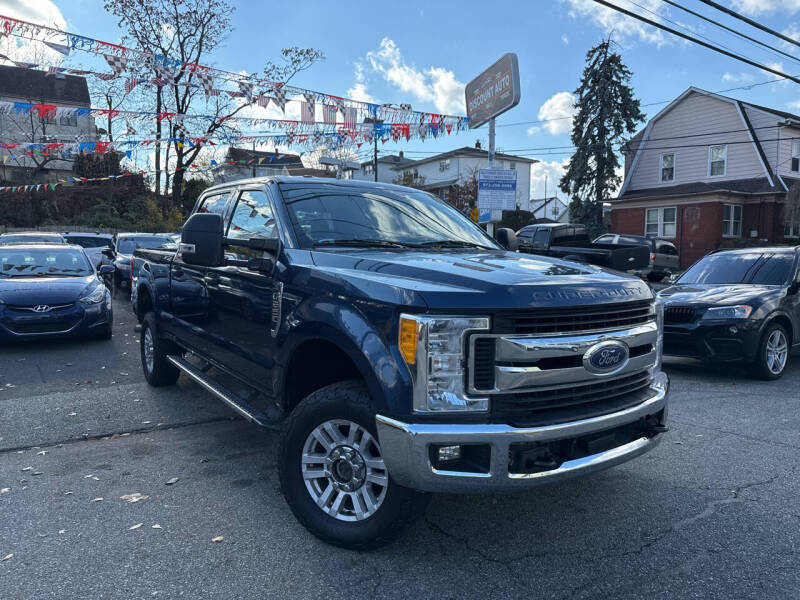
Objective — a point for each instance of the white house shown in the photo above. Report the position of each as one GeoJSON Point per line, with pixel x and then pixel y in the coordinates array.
{"type": "Point", "coordinates": [30, 86]}
{"type": "Point", "coordinates": [440, 172]}
{"type": "Point", "coordinates": [552, 208]}
{"type": "Point", "coordinates": [386, 166]}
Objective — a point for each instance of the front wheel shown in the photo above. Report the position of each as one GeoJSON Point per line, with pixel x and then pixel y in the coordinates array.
{"type": "Point", "coordinates": [773, 353]}
{"type": "Point", "coordinates": [333, 475]}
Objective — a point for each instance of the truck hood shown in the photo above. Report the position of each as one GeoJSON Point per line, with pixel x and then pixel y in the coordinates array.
{"type": "Point", "coordinates": [479, 279]}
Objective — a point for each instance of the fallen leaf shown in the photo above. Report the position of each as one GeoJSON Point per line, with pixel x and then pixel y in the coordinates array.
{"type": "Point", "coordinates": [135, 497]}
{"type": "Point", "coordinates": [87, 476]}
{"type": "Point", "coordinates": [68, 493]}
{"type": "Point", "coordinates": [42, 452]}
{"type": "Point", "coordinates": [157, 526]}
{"type": "Point", "coordinates": [97, 499]}
{"type": "Point", "coordinates": [6, 557]}
{"type": "Point", "coordinates": [5, 490]}
{"type": "Point", "coordinates": [62, 531]}
{"type": "Point", "coordinates": [219, 538]}
{"type": "Point", "coordinates": [95, 478]}
{"type": "Point", "coordinates": [171, 481]}
{"type": "Point", "coordinates": [132, 527]}
{"type": "Point", "coordinates": [27, 469]}
{"type": "Point", "coordinates": [36, 473]}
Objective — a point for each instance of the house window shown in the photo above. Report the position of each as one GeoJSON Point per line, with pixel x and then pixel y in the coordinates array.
{"type": "Point", "coordinates": [69, 121]}
{"type": "Point", "coordinates": [444, 194]}
{"type": "Point", "coordinates": [791, 229]}
{"type": "Point", "coordinates": [731, 220]}
{"type": "Point", "coordinates": [512, 165]}
{"type": "Point", "coordinates": [795, 156]}
{"type": "Point", "coordinates": [444, 164]}
{"type": "Point", "coordinates": [367, 169]}
{"type": "Point", "coordinates": [667, 171]}
{"type": "Point", "coordinates": [717, 159]}
{"type": "Point", "coordinates": [660, 222]}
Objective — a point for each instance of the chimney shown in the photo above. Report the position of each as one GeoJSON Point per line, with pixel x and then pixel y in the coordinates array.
{"type": "Point", "coordinates": [478, 144]}
{"type": "Point", "coordinates": [401, 154]}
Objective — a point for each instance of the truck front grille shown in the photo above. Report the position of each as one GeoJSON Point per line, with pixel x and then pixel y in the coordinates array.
{"type": "Point", "coordinates": [570, 402]}
{"type": "Point", "coordinates": [575, 319]}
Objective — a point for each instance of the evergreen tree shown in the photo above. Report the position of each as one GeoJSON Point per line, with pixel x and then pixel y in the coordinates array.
{"type": "Point", "coordinates": [607, 111]}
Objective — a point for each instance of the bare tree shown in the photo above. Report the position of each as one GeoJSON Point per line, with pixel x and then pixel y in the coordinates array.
{"type": "Point", "coordinates": [190, 30]}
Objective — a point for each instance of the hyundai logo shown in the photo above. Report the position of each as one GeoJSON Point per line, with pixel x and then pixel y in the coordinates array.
{"type": "Point", "coordinates": [41, 308]}
{"type": "Point", "coordinates": [606, 358]}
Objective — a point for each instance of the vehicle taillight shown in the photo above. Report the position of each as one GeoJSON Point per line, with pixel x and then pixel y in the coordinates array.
{"type": "Point", "coordinates": [652, 259]}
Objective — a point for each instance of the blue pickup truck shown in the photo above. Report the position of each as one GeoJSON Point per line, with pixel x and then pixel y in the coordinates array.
{"type": "Point", "coordinates": [398, 349]}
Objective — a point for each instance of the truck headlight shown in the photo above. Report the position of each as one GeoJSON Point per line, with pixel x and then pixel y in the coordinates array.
{"type": "Point", "coordinates": [434, 349]}
{"type": "Point", "coordinates": [95, 296]}
{"type": "Point", "coordinates": [741, 311]}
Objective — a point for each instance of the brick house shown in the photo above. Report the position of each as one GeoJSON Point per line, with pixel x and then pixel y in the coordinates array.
{"type": "Point", "coordinates": [710, 171]}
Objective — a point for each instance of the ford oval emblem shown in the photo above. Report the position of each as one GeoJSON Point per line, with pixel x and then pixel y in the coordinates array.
{"type": "Point", "coordinates": [606, 358]}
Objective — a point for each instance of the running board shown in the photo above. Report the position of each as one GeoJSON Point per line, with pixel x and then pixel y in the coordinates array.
{"type": "Point", "coordinates": [241, 406]}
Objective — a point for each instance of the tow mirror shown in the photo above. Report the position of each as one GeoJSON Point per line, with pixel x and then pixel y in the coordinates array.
{"type": "Point", "coordinates": [201, 240]}
{"type": "Point", "coordinates": [105, 270]}
{"type": "Point", "coordinates": [794, 287]}
{"type": "Point", "coordinates": [507, 239]}
{"type": "Point", "coordinates": [108, 253]}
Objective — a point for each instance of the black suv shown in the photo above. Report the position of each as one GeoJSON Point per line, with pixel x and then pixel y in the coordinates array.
{"type": "Point", "coordinates": [737, 306]}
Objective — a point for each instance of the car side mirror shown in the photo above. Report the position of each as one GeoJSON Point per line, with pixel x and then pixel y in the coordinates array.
{"type": "Point", "coordinates": [507, 239]}
{"type": "Point", "coordinates": [107, 252]}
{"type": "Point", "coordinates": [105, 270]}
{"type": "Point", "coordinates": [201, 240]}
{"type": "Point", "coordinates": [794, 287]}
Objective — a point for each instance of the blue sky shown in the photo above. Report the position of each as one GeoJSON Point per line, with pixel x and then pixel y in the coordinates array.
{"type": "Point", "coordinates": [423, 52]}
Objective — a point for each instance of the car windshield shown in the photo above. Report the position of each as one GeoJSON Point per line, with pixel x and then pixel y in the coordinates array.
{"type": "Point", "coordinates": [752, 267]}
{"type": "Point", "coordinates": [89, 242]}
{"type": "Point", "coordinates": [31, 238]}
{"type": "Point", "coordinates": [128, 245]}
{"type": "Point", "coordinates": [43, 262]}
{"type": "Point", "coordinates": [381, 217]}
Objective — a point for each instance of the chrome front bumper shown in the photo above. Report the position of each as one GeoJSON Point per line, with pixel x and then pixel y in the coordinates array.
{"type": "Point", "coordinates": [406, 448]}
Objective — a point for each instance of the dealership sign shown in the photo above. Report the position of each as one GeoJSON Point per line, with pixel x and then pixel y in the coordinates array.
{"type": "Point", "coordinates": [494, 91]}
{"type": "Point", "coordinates": [497, 191]}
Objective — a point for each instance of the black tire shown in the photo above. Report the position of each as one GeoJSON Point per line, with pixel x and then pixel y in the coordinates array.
{"type": "Point", "coordinates": [161, 372]}
{"type": "Point", "coordinates": [347, 401]}
{"type": "Point", "coordinates": [762, 367]}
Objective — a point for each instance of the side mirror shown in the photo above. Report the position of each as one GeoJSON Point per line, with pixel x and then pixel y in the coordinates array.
{"type": "Point", "coordinates": [105, 270]}
{"type": "Point", "coordinates": [794, 287]}
{"type": "Point", "coordinates": [107, 252]}
{"type": "Point", "coordinates": [507, 239]}
{"type": "Point", "coordinates": [201, 240]}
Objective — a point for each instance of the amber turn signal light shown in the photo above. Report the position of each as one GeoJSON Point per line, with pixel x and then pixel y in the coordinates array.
{"type": "Point", "coordinates": [408, 339]}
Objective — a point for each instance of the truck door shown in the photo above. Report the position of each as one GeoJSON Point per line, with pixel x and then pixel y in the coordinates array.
{"type": "Point", "coordinates": [191, 311]}
{"type": "Point", "coordinates": [242, 298]}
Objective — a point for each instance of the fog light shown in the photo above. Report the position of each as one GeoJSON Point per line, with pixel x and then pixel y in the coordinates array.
{"type": "Point", "coordinates": [449, 453]}
{"type": "Point", "coordinates": [733, 330]}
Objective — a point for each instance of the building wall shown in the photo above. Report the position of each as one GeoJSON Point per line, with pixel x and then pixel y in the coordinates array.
{"type": "Point", "coordinates": [699, 223]}
{"type": "Point", "coordinates": [386, 174]}
{"type": "Point", "coordinates": [702, 118]}
{"type": "Point", "coordinates": [464, 167]}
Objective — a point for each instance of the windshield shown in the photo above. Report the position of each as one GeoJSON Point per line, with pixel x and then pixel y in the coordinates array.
{"type": "Point", "coordinates": [753, 267]}
{"type": "Point", "coordinates": [89, 242]}
{"type": "Point", "coordinates": [128, 245]}
{"type": "Point", "coordinates": [50, 262]}
{"type": "Point", "coordinates": [31, 238]}
{"type": "Point", "coordinates": [324, 214]}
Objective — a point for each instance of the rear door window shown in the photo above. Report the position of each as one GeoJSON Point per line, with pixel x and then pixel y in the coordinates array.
{"type": "Point", "coordinates": [214, 204]}
{"type": "Point", "coordinates": [540, 238]}
{"type": "Point", "coordinates": [252, 217]}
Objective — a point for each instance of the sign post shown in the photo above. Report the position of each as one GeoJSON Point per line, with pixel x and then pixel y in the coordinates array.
{"type": "Point", "coordinates": [490, 94]}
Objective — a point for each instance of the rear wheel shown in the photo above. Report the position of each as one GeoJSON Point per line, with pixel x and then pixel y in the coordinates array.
{"type": "Point", "coordinates": [773, 353]}
{"type": "Point", "coordinates": [158, 371]}
{"type": "Point", "coordinates": [333, 475]}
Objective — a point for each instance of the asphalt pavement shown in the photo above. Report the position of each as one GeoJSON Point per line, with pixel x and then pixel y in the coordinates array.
{"type": "Point", "coordinates": [112, 489]}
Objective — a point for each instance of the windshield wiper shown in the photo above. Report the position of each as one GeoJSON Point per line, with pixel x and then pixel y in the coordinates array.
{"type": "Point", "coordinates": [454, 244]}
{"type": "Point", "coordinates": [358, 243]}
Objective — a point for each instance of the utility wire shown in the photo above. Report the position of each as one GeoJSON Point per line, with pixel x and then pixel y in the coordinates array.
{"type": "Point", "coordinates": [750, 22]}
{"type": "Point", "coordinates": [697, 41]}
{"type": "Point", "coordinates": [732, 30]}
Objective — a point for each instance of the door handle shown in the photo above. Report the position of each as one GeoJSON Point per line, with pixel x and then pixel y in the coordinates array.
{"type": "Point", "coordinates": [177, 271]}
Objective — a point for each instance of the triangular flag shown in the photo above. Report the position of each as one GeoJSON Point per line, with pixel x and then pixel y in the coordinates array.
{"type": "Point", "coordinates": [58, 47]}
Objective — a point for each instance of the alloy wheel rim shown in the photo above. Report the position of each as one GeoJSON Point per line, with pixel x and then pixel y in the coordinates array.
{"type": "Point", "coordinates": [148, 350]}
{"type": "Point", "coordinates": [343, 470]}
{"type": "Point", "coordinates": [777, 352]}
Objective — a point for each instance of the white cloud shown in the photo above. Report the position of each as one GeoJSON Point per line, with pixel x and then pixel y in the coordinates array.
{"type": "Point", "coordinates": [550, 172]}
{"type": "Point", "coordinates": [44, 12]}
{"type": "Point", "coordinates": [435, 85]}
{"type": "Point", "coordinates": [755, 7]}
{"type": "Point", "coordinates": [794, 104]}
{"type": "Point", "coordinates": [622, 26]}
{"type": "Point", "coordinates": [359, 90]}
{"type": "Point", "coordinates": [557, 112]}
{"type": "Point", "coordinates": [741, 77]}
{"type": "Point", "coordinates": [564, 39]}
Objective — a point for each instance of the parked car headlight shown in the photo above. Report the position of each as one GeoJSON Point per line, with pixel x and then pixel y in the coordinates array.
{"type": "Point", "coordinates": [434, 349]}
{"type": "Point", "coordinates": [95, 296]}
{"type": "Point", "coordinates": [740, 311]}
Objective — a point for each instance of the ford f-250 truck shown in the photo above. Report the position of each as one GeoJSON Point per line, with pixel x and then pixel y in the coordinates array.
{"type": "Point", "coordinates": [398, 348]}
